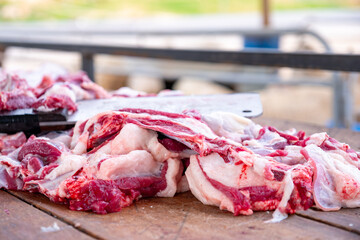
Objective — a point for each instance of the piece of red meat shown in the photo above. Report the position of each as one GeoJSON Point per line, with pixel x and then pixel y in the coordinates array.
{"type": "Point", "coordinates": [195, 134]}
{"type": "Point", "coordinates": [53, 102]}
{"type": "Point", "coordinates": [16, 100]}
{"type": "Point", "coordinates": [9, 143]}
{"type": "Point", "coordinates": [117, 157]}
{"type": "Point", "coordinates": [15, 93]}
{"type": "Point", "coordinates": [50, 94]}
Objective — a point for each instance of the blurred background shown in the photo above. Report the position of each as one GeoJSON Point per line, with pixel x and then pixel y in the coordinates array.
{"type": "Point", "coordinates": [230, 25]}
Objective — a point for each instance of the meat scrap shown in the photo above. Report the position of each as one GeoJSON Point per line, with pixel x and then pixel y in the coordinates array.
{"type": "Point", "coordinates": [115, 158]}
{"type": "Point", "coordinates": [61, 92]}
{"type": "Point", "coordinates": [9, 143]}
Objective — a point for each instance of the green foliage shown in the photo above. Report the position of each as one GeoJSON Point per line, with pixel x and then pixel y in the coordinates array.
{"type": "Point", "coordinates": [71, 9]}
{"type": "Point", "coordinates": [311, 4]}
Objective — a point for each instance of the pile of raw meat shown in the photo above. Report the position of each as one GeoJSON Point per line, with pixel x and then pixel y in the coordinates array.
{"type": "Point", "coordinates": [61, 91]}
{"type": "Point", "coordinates": [115, 158]}
{"type": "Point", "coordinates": [51, 94]}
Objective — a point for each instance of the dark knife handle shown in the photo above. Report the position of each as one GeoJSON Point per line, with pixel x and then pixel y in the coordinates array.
{"type": "Point", "coordinates": [28, 123]}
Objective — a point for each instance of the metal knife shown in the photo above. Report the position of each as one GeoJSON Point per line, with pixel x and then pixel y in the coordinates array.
{"type": "Point", "coordinates": [28, 120]}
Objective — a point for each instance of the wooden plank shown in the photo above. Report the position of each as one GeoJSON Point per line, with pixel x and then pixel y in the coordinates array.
{"type": "Point", "coordinates": [19, 220]}
{"type": "Point", "coordinates": [348, 219]}
{"type": "Point", "coordinates": [184, 217]}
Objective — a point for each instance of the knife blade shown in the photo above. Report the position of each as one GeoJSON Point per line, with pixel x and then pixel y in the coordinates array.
{"type": "Point", "coordinates": [243, 104]}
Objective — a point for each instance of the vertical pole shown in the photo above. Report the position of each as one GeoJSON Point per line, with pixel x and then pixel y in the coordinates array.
{"type": "Point", "coordinates": [338, 101]}
{"type": "Point", "coordinates": [265, 9]}
{"type": "Point", "coordinates": [343, 100]}
{"type": "Point", "coordinates": [87, 65]}
{"type": "Point", "coordinates": [349, 83]}
{"type": "Point", "coordinates": [2, 55]}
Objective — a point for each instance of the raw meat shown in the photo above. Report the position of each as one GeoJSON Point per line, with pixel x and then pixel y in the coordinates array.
{"type": "Point", "coordinates": [65, 91]}
{"type": "Point", "coordinates": [117, 157]}
{"type": "Point", "coordinates": [9, 143]}
{"type": "Point", "coordinates": [322, 169]}
{"type": "Point", "coordinates": [14, 93]}
{"type": "Point", "coordinates": [61, 92]}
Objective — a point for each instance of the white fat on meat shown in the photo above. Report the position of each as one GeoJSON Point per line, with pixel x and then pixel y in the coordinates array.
{"type": "Point", "coordinates": [7, 166]}
{"type": "Point", "coordinates": [293, 156]}
{"type": "Point", "coordinates": [80, 94]}
{"type": "Point", "coordinates": [81, 138]}
{"type": "Point", "coordinates": [81, 144]}
{"type": "Point", "coordinates": [271, 138]}
{"type": "Point", "coordinates": [76, 135]}
{"type": "Point", "coordinates": [96, 90]}
{"type": "Point", "coordinates": [228, 174]}
{"type": "Point", "coordinates": [344, 156]}
{"type": "Point", "coordinates": [287, 189]}
{"type": "Point", "coordinates": [227, 124]}
{"type": "Point", "coordinates": [202, 189]}
{"type": "Point", "coordinates": [53, 184]}
{"type": "Point", "coordinates": [68, 163]}
{"type": "Point", "coordinates": [317, 138]}
{"type": "Point", "coordinates": [62, 137]}
{"type": "Point", "coordinates": [267, 144]}
{"type": "Point", "coordinates": [54, 188]}
{"type": "Point", "coordinates": [128, 92]}
{"type": "Point", "coordinates": [131, 137]}
{"type": "Point", "coordinates": [135, 163]}
{"type": "Point", "coordinates": [336, 181]}
{"type": "Point", "coordinates": [237, 177]}
{"type": "Point", "coordinates": [197, 126]}
{"type": "Point", "coordinates": [183, 185]}
{"type": "Point", "coordinates": [173, 175]}
{"type": "Point", "coordinates": [61, 89]}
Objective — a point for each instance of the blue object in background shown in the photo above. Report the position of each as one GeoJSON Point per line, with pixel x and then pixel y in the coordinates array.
{"type": "Point", "coordinates": [355, 127]}
{"type": "Point", "coordinates": [259, 42]}
{"type": "Point", "coordinates": [271, 42]}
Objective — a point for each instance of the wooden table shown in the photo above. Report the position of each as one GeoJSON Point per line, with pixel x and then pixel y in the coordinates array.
{"type": "Point", "coordinates": [24, 215]}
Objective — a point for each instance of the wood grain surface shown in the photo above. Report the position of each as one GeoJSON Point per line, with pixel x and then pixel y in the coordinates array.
{"type": "Point", "coordinates": [184, 217]}
{"type": "Point", "coordinates": [22, 221]}
{"type": "Point", "coordinates": [348, 219]}
{"type": "Point", "coordinates": [181, 217]}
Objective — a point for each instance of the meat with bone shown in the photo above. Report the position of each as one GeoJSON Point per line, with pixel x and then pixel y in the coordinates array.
{"type": "Point", "coordinates": [117, 157]}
